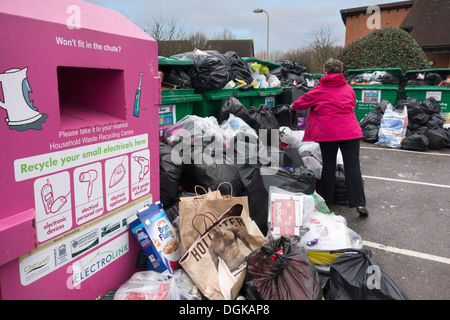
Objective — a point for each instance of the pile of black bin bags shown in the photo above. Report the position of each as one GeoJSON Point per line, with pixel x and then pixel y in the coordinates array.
{"type": "Point", "coordinates": [246, 171]}
{"type": "Point", "coordinates": [425, 124]}
{"type": "Point", "coordinates": [280, 270]}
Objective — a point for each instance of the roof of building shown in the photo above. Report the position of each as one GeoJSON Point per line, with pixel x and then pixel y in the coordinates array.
{"type": "Point", "coordinates": [243, 48]}
{"type": "Point", "coordinates": [429, 23]}
{"type": "Point", "coordinates": [387, 6]}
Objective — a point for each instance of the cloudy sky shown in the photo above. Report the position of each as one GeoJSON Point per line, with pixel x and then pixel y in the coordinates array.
{"type": "Point", "coordinates": [292, 23]}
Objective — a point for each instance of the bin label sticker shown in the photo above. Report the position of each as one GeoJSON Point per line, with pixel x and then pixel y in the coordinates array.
{"type": "Point", "coordinates": [40, 165]}
{"type": "Point", "coordinates": [84, 243]}
{"type": "Point", "coordinates": [52, 197]}
{"type": "Point", "coordinates": [270, 101]}
{"type": "Point", "coordinates": [116, 182]}
{"type": "Point", "coordinates": [371, 96]}
{"type": "Point", "coordinates": [167, 117]}
{"type": "Point", "coordinates": [140, 173]}
{"type": "Point", "coordinates": [88, 191]}
{"type": "Point", "coordinates": [435, 94]}
{"type": "Point", "coordinates": [91, 238]}
{"type": "Point", "coordinates": [99, 259]}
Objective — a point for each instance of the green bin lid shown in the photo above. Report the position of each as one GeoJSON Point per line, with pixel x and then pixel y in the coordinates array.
{"type": "Point", "coordinates": [316, 75]}
{"type": "Point", "coordinates": [270, 64]}
{"type": "Point", "coordinates": [171, 61]}
{"type": "Point", "coordinates": [429, 70]}
{"type": "Point", "coordinates": [394, 71]}
{"type": "Point", "coordinates": [169, 96]}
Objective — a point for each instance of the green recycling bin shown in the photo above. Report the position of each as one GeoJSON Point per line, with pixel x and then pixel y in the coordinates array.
{"type": "Point", "coordinates": [175, 105]}
{"type": "Point", "coordinates": [313, 79]}
{"type": "Point", "coordinates": [269, 64]}
{"type": "Point", "coordinates": [369, 95]}
{"type": "Point", "coordinates": [176, 102]}
{"type": "Point", "coordinates": [182, 101]}
{"type": "Point", "coordinates": [212, 101]}
{"type": "Point", "coordinates": [422, 92]}
{"type": "Point", "coordinates": [268, 96]}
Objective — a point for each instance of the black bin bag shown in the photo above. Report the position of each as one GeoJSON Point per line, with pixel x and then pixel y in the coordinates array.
{"type": "Point", "coordinates": [169, 175]}
{"type": "Point", "coordinates": [257, 179]}
{"type": "Point", "coordinates": [415, 142]}
{"type": "Point", "coordinates": [356, 276]}
{"type": "Point", "coordinates": [281, 270]}
{"type": "Point", "coordinates": [232, 105]}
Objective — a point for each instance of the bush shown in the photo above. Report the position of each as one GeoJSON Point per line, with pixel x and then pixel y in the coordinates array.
{"type": "Point", "coordinates": [384, 48]}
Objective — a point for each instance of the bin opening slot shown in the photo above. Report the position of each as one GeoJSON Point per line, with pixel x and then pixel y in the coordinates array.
{"type": "Point", "coordinates": [90, 96]}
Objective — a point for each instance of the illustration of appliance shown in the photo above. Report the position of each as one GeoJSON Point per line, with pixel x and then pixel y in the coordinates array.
{"type": "Point", "coordinates": [59, 203]}
{"type": "Point", "coordinates": [47, 196]}
{"type": "Point", "coordinates": [21, 114]}
{"type": "Point", "coordinates": [117, 175]}
{"type": "Point", "coordinates": [51, 205]}
{"type": "Point", "coordinates": [137, 98]}
{"type": "Point", "coordinates": [89, 177]}
{"type": "Point", "coordinates": [145, 165]}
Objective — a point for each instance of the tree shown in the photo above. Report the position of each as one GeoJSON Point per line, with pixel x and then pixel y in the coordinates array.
{"type": "Point", "coordinates": [198, 40]}
{"type": "Point", "coordinates": [323, 49]}
{"type": "Point", "coordinates": [384, 48]}
{"type": "Point", "coordinates": [302, 56]}
{"type": "Point", "coordinates": [226, 34]}
{"type": "Point", "coordinates": [160, 28]}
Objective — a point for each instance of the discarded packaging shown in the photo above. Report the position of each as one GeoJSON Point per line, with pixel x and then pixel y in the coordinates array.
{"type": "Point", "coordinates": [157, 237]}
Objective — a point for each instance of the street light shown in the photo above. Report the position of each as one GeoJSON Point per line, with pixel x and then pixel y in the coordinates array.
{"type": "Point", "coordinates": [260, 11]}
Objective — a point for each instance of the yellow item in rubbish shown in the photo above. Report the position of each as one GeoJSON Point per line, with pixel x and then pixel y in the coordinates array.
{"type": "Point", "coordinates": [262, 68]}
{"type": "Point", "coordinates": [322, 257]}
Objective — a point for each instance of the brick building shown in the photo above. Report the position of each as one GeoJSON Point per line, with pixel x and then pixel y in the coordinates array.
{"type": "Point", "coordinates": [426, 20]}
{"type": "Point", "coordinates": [355, 19]}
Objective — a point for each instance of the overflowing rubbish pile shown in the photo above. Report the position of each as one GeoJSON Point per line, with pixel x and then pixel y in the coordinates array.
{"type": "Point", "coordinates": [213, 70]}
{"type": "Point", "coordinates": [410, 125]}
{"type": "Point", "coordinates": [239, 216]}
{"type": "Point", "coordinates": [375, 77]}
{"type": "Point", "coordinates": [428, 78]}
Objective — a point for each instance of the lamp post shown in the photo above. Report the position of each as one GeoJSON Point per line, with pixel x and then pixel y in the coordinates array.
{"type": "Point", "coordinates": [260, 11]}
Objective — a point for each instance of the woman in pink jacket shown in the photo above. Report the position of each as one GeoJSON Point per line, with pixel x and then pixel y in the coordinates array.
{"type": "Point", "coordinates": [332, 123]}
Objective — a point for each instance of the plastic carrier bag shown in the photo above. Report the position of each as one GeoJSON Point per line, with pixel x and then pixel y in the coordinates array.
{"type": "Point", "coordinates": [152, 285]}
{"type": "Point", "coordinates": [312, 157]}
{"type": "Point", "coordinates": [393, 127]}
{"type": "Point", "coordinates": [328, 232]}
{"type": "Point", "coordinates": [193, 127]}
{"type": "Point", "coordinates": [281, 270]}
{"type": "Point", "coordinates": [356, 276]}
{"type": "Point", "coordinates": [291, 137]}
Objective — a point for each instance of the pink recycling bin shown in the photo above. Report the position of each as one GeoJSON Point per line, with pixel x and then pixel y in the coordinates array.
{"type": "Point", "coordinates": [79, 96]}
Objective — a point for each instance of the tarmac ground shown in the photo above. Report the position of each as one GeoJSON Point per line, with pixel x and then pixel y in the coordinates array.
{"type": "Point", "coordinates": [407, 230]}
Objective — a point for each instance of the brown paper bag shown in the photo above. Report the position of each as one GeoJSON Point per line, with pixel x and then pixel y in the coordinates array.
{"type": "Point", "coordinates": [216, 261]}
{"type": "Point", "coordinates": [213, 202]}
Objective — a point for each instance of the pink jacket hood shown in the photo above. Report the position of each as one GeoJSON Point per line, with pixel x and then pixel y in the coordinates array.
{"type": "Point", "coordinates": [332, 110]}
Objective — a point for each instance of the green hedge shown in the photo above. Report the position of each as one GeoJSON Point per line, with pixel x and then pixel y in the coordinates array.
{"type": "Point", "coordinates": [384, 48]}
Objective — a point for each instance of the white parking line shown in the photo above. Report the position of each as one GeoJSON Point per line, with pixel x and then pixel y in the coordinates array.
{"type": "Point", "coordinates": [409, 181]}
{"type": "Point", "coordinates": [411, 151]}
{"type": "Point", "coordinates": [407, 252]}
